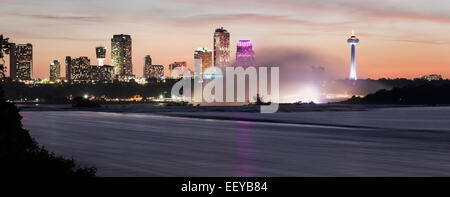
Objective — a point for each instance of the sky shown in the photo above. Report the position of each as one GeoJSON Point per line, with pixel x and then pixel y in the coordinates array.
{"type": "Point", "coordinates": [401, 38]}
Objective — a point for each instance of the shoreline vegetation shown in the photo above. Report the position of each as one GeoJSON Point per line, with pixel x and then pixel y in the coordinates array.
{"type": "Point", "coordinates": [64, 93]}
{"type": "Point", "coordinates": [21, 155]}
{"type": "Point", "coordinates": [426, 94]}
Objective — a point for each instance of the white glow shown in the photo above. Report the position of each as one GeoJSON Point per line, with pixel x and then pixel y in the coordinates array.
{"type": "Point", "coordinates": [85, 96]}
{"type": "Point", "coordinates": [100, 61]}
{"type": "Point", "coordinates": [309, 94]}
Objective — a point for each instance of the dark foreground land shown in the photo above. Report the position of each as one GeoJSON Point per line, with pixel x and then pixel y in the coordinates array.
{"type": "Point", "coordinates": [21, 155]}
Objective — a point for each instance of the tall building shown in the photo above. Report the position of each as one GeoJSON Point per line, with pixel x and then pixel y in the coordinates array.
{"type": "Point", "coordinates": [205, 55]}
{"type": "Point", "coordinates": [353, 41]}
{"type": "Point", "coordinates": [174, 66]}
{"type": "Point", "coordinates": [147, 65]}
{"type": "Point", "coordinates": [221, 47]}
{"type": "Point", "coordinates": [12, 62]}
{"type": "Point", "coordinates": [68, 68]}
{"type": "Point", "coordinates": [80, 69]}
{"type": "Point", "coordinates": [55, 70]}
{"type": "Point", "coordinates": [245, 56]}
{"type": "Point", "coordinates": [121, 55]}
{"type": "Point", "coordinates": [24, 61]}
{"type": "Point", "coordinates": [100, 52]}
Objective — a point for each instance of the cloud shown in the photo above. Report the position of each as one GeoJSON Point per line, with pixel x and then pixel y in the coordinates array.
{"type": "Point", "coordinates": [414, 10]}
{"type": "Point", "coordinates": [252, 19]}
{"type": "Point", "coordinates": [64, 18]}
{"type": "Point", "coordinates": [24, 35]}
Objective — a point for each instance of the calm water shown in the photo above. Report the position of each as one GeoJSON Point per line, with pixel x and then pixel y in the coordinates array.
{"type": "Point", "coordinates": [120, 144]}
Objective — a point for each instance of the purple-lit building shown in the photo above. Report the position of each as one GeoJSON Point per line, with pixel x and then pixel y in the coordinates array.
{"type": "Point", "coordinates": [245, 56]}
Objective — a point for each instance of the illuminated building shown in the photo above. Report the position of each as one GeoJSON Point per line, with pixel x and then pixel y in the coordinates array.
{"type": "Point", "coordinates": [55, 70]}
{"type": "Point", "coordinates": [353, 41]}
{"type": "Point", "coordinates": [152, 71]}
{"type": "Point", "coordinates": [24, 62]}
{"type": "Point", "coordinates": [205, 55]}
{"type": "Point", "coordinates": [245, 56]}
{"type": "Point", "coordinates": [147, 66]}
{"type": "Point", "coordinates": [174, 66]}
{"type": "Point", "coordinates": [100, 52]}
{"type": "Point", "coordinates": [68, 68]}
{"type": "Point", "coordinates": [432, 77]}
{"type": "Point", "coordinates": [155, 71]}
{"type": "Point", "coordinates": [80, 69]}
{"type": "Point", "coordinates": [121, 55]}
{"type": "Point", "coordinates": [12, 61]}
{"type": "Point", "coordinates": [104, 73]}
{"type": "Point", "coordinates": [221, 47]}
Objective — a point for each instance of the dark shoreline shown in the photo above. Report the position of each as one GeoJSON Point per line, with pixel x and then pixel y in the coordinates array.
{"type": "Point", "coordinates": [158, 108]}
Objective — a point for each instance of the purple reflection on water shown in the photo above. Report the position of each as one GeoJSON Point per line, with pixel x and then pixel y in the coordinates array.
{"type": "Point", "coordinates": [244, 150]}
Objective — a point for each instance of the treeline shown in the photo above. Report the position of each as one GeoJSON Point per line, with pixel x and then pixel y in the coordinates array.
{"type": "Point", "coordinates": [370, 86]}
{"type": "Point", "coordinates": [428, 94]}
{"type": "Point", "coordinates": [58, 93]}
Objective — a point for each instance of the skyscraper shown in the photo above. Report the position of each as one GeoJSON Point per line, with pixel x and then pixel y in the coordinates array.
{"type": "Point", "coordinates": [245, 56]}
{"type": "Point", "coordinates": [147, 65]}
{"type": "Point", "coordinates": [205, 55]}
{"type": "Point", "coordinates": [12, 61]}
{"type": "Point", "coordinates": [121, 55]}
{"type": "Point", "coordinates": [100, 52]}
{"type": "Point", "coordinates": [221, 47]}
{"type": "Point", "coordinates": [24, 64]}
{"type": "Point", "coordinates": [353, 41]}
{"type": "Point", "coordinates": [55, 70]}
{"type": "Point", "coordinates": [68, 68]}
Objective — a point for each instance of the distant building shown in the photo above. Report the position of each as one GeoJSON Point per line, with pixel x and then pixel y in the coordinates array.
{"type": "Point", "coordinates": [121, 55]}
{"type": "Point", "coordinates": [147, 65]}
{"type": "Point", "coordinates": [104, 73]}
{"type": "Point", "coordinates": [205, 55]}
{"type": "Point", "coordinates": [12, 61]}
{"type": "Point", "coordinates": [24, 62]}
{"type": "Point", "coordinates": [55, 71]}
{"type": "Point", "coordinates": [100, 52]}
{"type": "Point", "coordinates": [152, 71]}
{"type": "Point", "coordinates": [221, 47]}
{"type": "Point", "coordinates": [432, 77]}
{"type": "Point", "coordinates": [353, 41]}
{"type": "Point", "coordinates": [80, 69]}
{"type": "Point", "coordinates": [245, 56]}
{"type": "Point", "coordinates": [68, 68]}
{"type": "Point", "coordinates": [155, 71]}
{"type": "Point", "coordinates": [174, 66]}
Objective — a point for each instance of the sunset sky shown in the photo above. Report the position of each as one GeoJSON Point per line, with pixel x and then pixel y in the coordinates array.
{"type": "Point", "coordinates": [401, 38]}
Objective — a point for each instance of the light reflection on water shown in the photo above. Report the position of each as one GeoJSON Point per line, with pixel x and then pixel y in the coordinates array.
{"type": "Point", "coordinates": [245, 150]}
{"type": "Point", "coordinates": [153, 145]}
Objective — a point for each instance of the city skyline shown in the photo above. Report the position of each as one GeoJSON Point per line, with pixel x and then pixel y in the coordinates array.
{"type": "Point", "coordinates": [320, 29]}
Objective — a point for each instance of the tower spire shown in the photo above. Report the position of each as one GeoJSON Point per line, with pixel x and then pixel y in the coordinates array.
{"type": "Point", "coordinates": [353, 41]}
